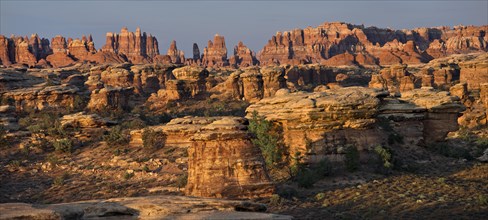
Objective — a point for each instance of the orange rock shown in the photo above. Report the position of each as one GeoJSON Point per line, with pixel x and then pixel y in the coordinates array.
{"type": "Point", "coordinates": [215, 54]}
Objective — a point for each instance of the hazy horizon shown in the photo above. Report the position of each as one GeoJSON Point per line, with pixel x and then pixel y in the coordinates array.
{"type": "Point", "coordinates": [252, 22]}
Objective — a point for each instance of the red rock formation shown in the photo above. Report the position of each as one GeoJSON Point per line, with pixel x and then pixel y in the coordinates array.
{"type": "Point", "coordinates": [110, 99]}
{"type": "Point", "coordinates": [243, 56]}
{"type": "Point", "coordinates": [81, 49]}
{"type": "Point", "coordinates": [394, 79]}
{"type": "Point", "coordinates": [224, 163]}
{"type": "Point", "coordinates": [177, 56]}
{"type": "Point", "coordinates": [4, 52]}
{"type": "Point", "coordinates": [22, 53]}
{"type": "Point", "coordinates": [252, 84]}
{"type": "Point", "coordinates": [196, 52]}
{"type": "Point", "coordinates": [370, 45]}
{"type": "Point", "coordinates": [136, 47]}
{"type": "Point", "coordinates": [60, 56]}
{"type": "Point", "coordinates": [319, 124]}
{"type": "Point", "coordinates": [475, 72]}
{"type": "Point", "coordinates": [215, 54]}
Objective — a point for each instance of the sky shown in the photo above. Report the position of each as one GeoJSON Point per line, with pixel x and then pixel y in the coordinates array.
{"type": "Point", "coordinates": [251, 21]}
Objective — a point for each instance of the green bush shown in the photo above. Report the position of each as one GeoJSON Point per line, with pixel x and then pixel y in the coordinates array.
{"type": "Point", "coordinates": [128, 175]}
{"type": "Point", "coordinates": [482, 200]}
{"type": "Point", "coordinates": [306, 178]}
{"type": "Point", "coordinates": [351, 158]}
{"type": "Point", "coordinates": [394, 138]}
{"type": "Point", "coordinates": [482, 142]}
{"type": "Point", "coordinates": [384, 155]}
{"type": "Point", "coordinates": [287, 192]}
{"type": "Point", "coordinates": [43, 123]}
{"type": "Point", "coordinates": [64, 145]}
{"type": "Point", "coordinates": [295, 164]}
{"type": "Point", "coordinates": [182, 181]}
{"type": "Point", "coordinates": [266, 139]}
{"type": "Point", "coordinates": [451, 151]}
{"type": "Point", "coordinates": [153, 139]}
{"type": "Point", "coordinates": [60, 180]}
{"type": "Point", "coordinates": [3, 138]}
{"type": "Point", "coordinates": [133, 124]}
{"type": "Point", "coordinates": [320, 196]}
{"type": "Point", "coordinates": [275, 200]}
{"type": "Point", "coordinates": [79, 103]}
{"type": "Point", "coordinates": [115, 137]}
{"type": "Point", "coordinates": [324, 168]}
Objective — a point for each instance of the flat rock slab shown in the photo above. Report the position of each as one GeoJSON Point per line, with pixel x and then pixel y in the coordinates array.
{"type": "Point", "coordinates": [150, 207]}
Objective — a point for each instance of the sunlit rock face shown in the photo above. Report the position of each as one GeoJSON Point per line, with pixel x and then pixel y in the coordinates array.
{"type": "Point", "coordinates": [320, 124]}
{"type": "Point", "coordinates": [338, 43]}
{"type": "Point", "coordinates": [222, 160]}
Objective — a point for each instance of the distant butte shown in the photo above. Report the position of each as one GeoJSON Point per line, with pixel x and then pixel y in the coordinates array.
{"type": "Point", "coordinates": [331, 43]}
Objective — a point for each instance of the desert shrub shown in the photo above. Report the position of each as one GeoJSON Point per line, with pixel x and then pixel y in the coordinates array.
{"type": "Point", "coordinates": [448, 150]}
{"type": "Point", "coordinates": [60, 180]}
{"type": "Point", "coordinates": [351, 158]}
{"type": "Point", "coordinates": [287, 192]}
{"type": "Point", "coordinates": [145, 168]}
{"type": "Point", "coordinates": [320, 196]}
{"type": "Point", "coordinates": [3, 138]}
{"type": "Point", "coordinates": [44, 123]}
{"type": "Point", "coordinates": [182, 181]}
{"type": "Point", "coordinates": [115, 137]}
{"type": "Point", "coordinates": [26, 121]}
{"type": "Point", "coordinates": [482, 142]}
{"type": "Point", "coordinates": [384, 155]}
{"type": "Point", "coordinates": [153, 139]}
{"type": "Point", "coordinates": [384, 161]}
{"type": "Point", "coordinates": [151, 119]}
{"type": "Point", "coordinates": [266, 139]}
{"type": "Point", "coordinates": [394, 138]}
{"type": "Point", "coordinates": [323, 168]}
{"type": "Point", "coordinates": [275, 200]}
{"type": "Point", "coordinates": [128, 175]}
{"type": "Point", "coordinates": [482, 200]}
{"type": "Point", "coordinates": [306, 178]}
{"type": "Point", "coordinates": [79, 103]}
{"type": "Point", "coordinates": [295, 164]}
{"type": "Point", "coordinates": [7, 100]}
{"type": "Point", "coordinates": [57, 130]}
{"type": "Point", "coordinates": [465, 135]}
{"type": "Point", "coordinates": [133, 124]}
{"type": "Point", "coordinates": [64, 145]}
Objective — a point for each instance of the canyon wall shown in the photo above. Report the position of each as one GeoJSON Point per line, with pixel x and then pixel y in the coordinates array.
{"type": "Point", "coordinates": [331, 44]}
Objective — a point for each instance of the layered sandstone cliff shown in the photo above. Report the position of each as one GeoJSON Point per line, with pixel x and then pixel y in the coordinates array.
{"type": "Point", "coordinates": [222, 161]}
{"type": "Point", "coordinates": [356, 44]}
{"type": "Point", "coordinates": [320, 124]}
{"type": "Point", "coordinates": [137, 47]}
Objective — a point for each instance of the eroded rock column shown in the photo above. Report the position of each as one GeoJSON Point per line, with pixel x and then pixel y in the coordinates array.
{"type": "Point", "coordinates": [223, 162]}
